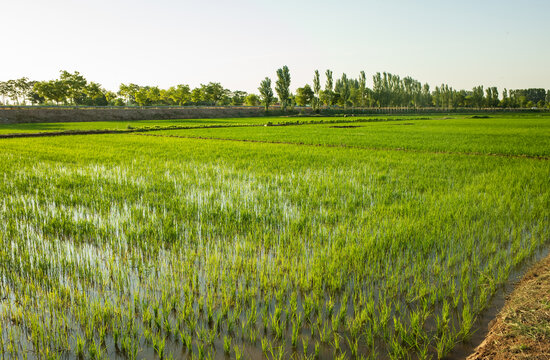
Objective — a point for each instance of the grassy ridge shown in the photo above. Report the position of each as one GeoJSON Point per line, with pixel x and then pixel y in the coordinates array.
{"type": "Point", "coordinates": [124, 246]}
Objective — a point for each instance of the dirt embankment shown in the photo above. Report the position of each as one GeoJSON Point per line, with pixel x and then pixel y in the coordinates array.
{"type": "Point", "coordinates": [522, 328]}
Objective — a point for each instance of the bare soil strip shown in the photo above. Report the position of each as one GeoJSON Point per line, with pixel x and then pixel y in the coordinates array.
{"type": "Point", "coordinates": [352, 147]}
{"type": "Point", "coordinates": [522, 328]}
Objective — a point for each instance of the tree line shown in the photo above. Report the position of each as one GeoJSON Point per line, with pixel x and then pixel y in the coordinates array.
{"type": "Point", "coordinates": [387, 90]}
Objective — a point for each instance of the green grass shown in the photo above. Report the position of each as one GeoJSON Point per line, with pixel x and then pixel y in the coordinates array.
{"type": "Point", "coordinates": [124, 245]}
{"type": "Point", "coordinates": [507, 135]}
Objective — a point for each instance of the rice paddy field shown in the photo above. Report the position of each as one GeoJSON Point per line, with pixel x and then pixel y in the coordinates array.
{"type": "Point", "coordinates": [382, 241]}
{"type": "Point", "coordinates": [123, 125]}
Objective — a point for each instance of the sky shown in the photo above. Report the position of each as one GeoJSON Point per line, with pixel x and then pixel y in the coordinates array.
{"type": "Point", "coordinates": [240, 42]}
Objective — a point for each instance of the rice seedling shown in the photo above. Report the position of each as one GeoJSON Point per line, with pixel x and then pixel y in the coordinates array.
{"type": "Point", "coordinates": [227, 345]}
{"type": "Point", "coordinates": [277, 353]}
{"type": "Point", "coordinates": [94, 350]}
{"type": "Point", "coordinates": [317, 349]}
{"type": "Point", "coordinates": [123, 245]}
{"type": "Point", "coordinates": [305, 346]}
{"type": "Point", "coordinates": [238, 352]}
{"type": "Point", "coordinates": [266, 346]}
{"type": "Point", "coordinates": [80, 347]}
{"type": "Point", "coordinates": [159, 343]}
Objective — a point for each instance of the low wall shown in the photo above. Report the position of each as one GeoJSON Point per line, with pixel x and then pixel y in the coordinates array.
{"type": "Point", "coordinates": [37, 114]}
{"type": "Point", "coordinates": [30, 114]}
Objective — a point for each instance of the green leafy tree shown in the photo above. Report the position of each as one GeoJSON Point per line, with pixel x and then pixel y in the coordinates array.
{"type": "Point", "coordinates": [342, 88]}
{"type": "Point", "coordinates": [266, 93]}
{"type": "Point", "coordinates": [95, 95]}
{"type": "Point", "coordinates": [291, 101]}
{"type": "Point", "coordinates": [165, 96]}
{"type": "Point", "coordinates": [505, 101]}
{"type": "Point", "coordinates": [304, 96]}
{"type": "Point", "coordinates": [21, 89]}
{"type": "Point", "coordinates": [477, 96]}
{"type": "Point", "coordinates": [491, 98]}
{"type": "Point", "coordinates": [11, 88]}
{"type": "Point", "coordinates": [179, 95]}
{"type": "Point", "coordinates": [111, 97]}
{"type": "Point", "coordinates": [147, 96]}
{"type": "Point", "coordinates": [282, 86]}
{"type": "Point", "coordinates": [75, 85]}
{"type": "Point", "coordinates": [237, 98]}
{"type": "Point", "coordinates": [426, 96]}
{"type": "Point", "coordinates": [53, 90]}
{"type": "Point", "coordinates": [196, 96]}
{"type": "Point", "coordinates": [3, 91]}
{"type": "Point", "coordinates": [153, 95]}
{"type": "Point", "coordinates": [252, 100]}
{"type": "Point", "coordinates": [128, 92]}
{"type": "Point", "coordinates": [213, 93]}
{"type": "Point", "coordinates": [460, 99]}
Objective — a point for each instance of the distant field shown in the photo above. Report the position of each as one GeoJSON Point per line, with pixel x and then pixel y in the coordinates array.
{"type": "Point", "coordinates": [129, 246]}
{"type": "Point", "coordinates": [509, 135]}
{"type": "Point", "coordinates": [102, 125]}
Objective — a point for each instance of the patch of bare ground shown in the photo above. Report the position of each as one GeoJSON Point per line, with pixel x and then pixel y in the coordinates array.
{"type": "Point", "coordinates": [522, 328]}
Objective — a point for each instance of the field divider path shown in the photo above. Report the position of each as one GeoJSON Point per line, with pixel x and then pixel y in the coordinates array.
{"type": "Point", "coordinates": [534, 157]}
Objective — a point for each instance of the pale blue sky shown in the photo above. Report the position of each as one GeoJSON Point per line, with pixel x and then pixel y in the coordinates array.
{"type": "Point", "coordinates": [167, 42]}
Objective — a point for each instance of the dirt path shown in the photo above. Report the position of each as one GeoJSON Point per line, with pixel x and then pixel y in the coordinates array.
{"type": "Point", "coordinates": [522, 328]}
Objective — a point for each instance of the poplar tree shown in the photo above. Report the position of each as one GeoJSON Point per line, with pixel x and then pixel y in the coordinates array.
{"type": "Point", "coordinates": [282, 86]}
{"type": "Point", "coordinates": [266, 93]}
{"type": "Point", "coordinates": [328, 94]}
{"type": "Point", "coordinates": [343, 89]}
{"type": "Point", "coordinates": [362, 87]}
{"type": "Point", "coordinates": [316, 90]}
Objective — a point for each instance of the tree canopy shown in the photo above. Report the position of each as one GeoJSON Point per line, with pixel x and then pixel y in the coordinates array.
{"type": "Point", "coordinates": [387, 90]}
